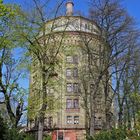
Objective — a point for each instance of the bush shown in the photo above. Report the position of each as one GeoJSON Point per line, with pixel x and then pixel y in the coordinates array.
{"type": "Point", "coordinates": [116, 134]}
{"type": "Point", "coordinates": [13, 134]}
{"type": "Point", "coordinates": [47, 138]}
{"type": "Point", "coordinates": [7, 133]}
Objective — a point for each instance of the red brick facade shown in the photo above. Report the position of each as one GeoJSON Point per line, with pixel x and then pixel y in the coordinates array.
{"type": "Point", "coordinates": [68, 135]}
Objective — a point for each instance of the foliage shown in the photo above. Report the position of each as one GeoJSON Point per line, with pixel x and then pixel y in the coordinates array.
{"type": "Point", "coordinates": [3, 128]}
{"type": "Point", "coordinates": [47, 138]}
{"type": "Point", "coordinates": [138, 123]}
{"type": "Point", "coordinates": [12, 94]}
{"type": "Point", "coordinates": [7, 133]}
{"type": "Point", "coordinates": [115, 134]}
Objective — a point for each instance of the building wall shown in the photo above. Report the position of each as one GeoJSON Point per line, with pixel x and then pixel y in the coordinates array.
{"type": "Point", "coordinates": [66, 113]}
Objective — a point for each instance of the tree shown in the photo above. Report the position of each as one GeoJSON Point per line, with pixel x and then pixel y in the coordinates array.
{"type": "Point", "coordinates": [116, 29]}
{"type": "Point", "coordinates": [40, 45]}
{"type": "Point", "coordinates": [11, 93]}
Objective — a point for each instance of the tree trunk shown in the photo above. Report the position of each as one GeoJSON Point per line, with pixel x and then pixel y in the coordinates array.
{"type": "Point", "coordinates": [87, 118]}
{"type": "Point", "coordinates": [120, 117]}
{"type": "Point", "coordinates": [92, 119]}
{"type": "Point", "coordinates": [92, 124]}
{"type": "Point", "coordinates": [44, 104]}
{"type": "Point", "coordinates": [40, 129]}
{"type": "Point", "coordinates": [128, 115]}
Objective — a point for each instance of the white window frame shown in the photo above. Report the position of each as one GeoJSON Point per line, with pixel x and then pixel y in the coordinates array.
{"type": "Point", "coordinates": [76, 119]}
{"type": "Point", "coordinates": [69, 120]}
{"type": "Point", "coordinates": [69, 87]}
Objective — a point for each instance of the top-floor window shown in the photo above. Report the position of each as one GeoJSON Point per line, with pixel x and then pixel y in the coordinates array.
{"type": "Point", "coordinates": [69, 59]}
{"type": "Point", "coordinates": [86, 26]}
{"type": "Point", "coordinates": [72, 59]}
{"type": "Point", "coordinates": [75, 59]}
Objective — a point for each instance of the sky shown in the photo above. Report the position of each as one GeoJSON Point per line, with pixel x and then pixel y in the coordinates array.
{"type": "Point", "coordinates": [133, 6]}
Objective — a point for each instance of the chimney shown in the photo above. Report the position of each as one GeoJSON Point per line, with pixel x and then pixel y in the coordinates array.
{"type": "Point", "coordinates": [69, 7]}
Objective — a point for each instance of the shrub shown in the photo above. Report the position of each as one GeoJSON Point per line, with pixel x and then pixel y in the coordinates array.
{"type": "Point", "coordinates": [114, 134]}
{"type": "Point", "coordinates": [47, 138]}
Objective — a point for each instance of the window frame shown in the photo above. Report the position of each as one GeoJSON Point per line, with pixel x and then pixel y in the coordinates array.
{"type": "Point", "coordinates": [69, 119]}
{"type": "Point", "coordinates": [75, 59]}
{"type": "Point", "coordinates": [76, 119]}
{"type": "Point", "coordinates": [69, 72]}
{"type": "Point", "coordinates": [69, 103]}
{"type": "Point", "coordinates": [69, 59]}
{"type": "Point", "coordinates": [75, 103]}
{"type": "Point", "coordinates": [69, 87]}
{"type": "Point", "coordinates": [75, 72]}
{"type": "Point", "coordinates": [75, 87]}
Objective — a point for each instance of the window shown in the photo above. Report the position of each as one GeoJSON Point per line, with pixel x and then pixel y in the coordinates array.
{"type": "Point", "coordinates": [68, 72]}
{"type": "Point", "coordinates": [75, 87]}
{"type": "Point", "coordinates": [60, 135]}
{"type": "Point", "coordinates": [75, 72]}
{"type": "Point", "coordinates": [86, 26]}
{"type": "Point", "coordinates": [69, 87]}
{"type": "Point", "coordinates": [69, 104]}
{"type": "Point", "coordinates": [75, 103]}
{"type": "Point", "coordinates": [76, 119]}
{"type": "Point", "coordinates": [75, 59]}
{"type": "Point", "coordinates": [69, 59]}
{"type": "Point", "coordinates": [89, 26]}
{"type": "Point", "coordinates": [69, 120]}
{"type": "Point", "coordinates": [72, 59]}
{"type": "Point", "coordinates": [98, 122]}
